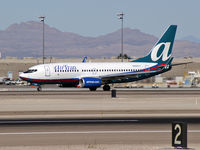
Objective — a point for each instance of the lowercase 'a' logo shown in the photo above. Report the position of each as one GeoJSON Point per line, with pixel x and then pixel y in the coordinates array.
{"type": "Point", "coordinates": [164, 54]}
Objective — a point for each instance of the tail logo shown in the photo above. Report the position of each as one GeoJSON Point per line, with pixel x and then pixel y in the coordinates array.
{"type": "Point", "coordinates": [164, 54]}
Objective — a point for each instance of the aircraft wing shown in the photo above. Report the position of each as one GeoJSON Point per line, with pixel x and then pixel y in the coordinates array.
{"type": "Point", "coordinates": [124, 75]}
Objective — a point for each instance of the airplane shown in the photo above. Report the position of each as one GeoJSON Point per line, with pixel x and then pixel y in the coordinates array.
{"type": "Point", "coordinates": [94, 75]}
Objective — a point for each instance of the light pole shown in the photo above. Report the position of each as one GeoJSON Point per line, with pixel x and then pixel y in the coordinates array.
{"type": "Point", "coordinates": [42, 20]}
{"type": "Point", "coordinates": [121, 17]}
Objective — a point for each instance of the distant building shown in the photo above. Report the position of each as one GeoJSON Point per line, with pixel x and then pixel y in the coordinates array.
{"type": "Point", "coordinates": [158, 79]}
{"type": "Point", "coordinates": [0, 55]}
{"type": "Point", "coordinates": [10, 75]}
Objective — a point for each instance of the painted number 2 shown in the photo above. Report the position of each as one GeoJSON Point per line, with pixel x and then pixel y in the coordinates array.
{"type": "Point", "coordinates": [177, 127]}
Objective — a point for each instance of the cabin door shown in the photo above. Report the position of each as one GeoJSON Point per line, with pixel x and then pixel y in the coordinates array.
{"type": "Point", "coordinates": [47, 71]}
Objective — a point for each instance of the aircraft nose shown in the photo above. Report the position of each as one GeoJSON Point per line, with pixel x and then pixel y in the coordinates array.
{"type": "Point", "coordinates": [22, 76]}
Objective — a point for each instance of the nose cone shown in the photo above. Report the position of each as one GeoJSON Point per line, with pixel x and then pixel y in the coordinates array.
{"type": "Point", "coordinates": [22, 76]}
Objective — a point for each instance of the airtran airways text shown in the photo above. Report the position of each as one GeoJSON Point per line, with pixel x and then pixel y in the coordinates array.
{"type": "Point", "coordinates": [65, 67]}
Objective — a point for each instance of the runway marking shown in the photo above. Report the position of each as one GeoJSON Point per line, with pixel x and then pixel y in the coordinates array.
{"type": "Point", "coordinates": [66, 121]}
{"type": "Point", "coordinates": [91, 132]}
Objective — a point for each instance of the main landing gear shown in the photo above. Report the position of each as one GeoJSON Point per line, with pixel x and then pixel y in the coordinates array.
{"type": "Point", "coordinates": [93, 88]}
{"type": "Point", "coordinates": [106, 87]}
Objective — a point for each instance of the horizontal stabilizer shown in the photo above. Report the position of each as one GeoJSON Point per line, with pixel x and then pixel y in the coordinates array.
{"type": "Point", "coordinates": [177, 64]}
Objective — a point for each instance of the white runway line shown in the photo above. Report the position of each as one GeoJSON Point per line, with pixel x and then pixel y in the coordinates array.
{"type": "Point", "coordinates": [91, 132]}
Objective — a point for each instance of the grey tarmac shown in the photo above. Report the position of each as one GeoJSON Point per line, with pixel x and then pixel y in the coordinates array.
{"type": "Point", "coordinates": [94, 136]}
{"type": "Point", "coordinates": [76, 104]}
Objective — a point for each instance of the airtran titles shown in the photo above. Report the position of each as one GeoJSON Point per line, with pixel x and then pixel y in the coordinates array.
{"type": "Point", "coordinates": [65, 67]}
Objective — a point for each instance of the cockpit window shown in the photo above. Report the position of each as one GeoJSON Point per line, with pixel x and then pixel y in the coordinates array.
{"type": "Point", "coordinates": [30, 71]}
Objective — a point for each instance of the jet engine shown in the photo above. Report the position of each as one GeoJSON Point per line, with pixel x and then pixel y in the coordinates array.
{"type": "Point", "coordinates": [89, 82]}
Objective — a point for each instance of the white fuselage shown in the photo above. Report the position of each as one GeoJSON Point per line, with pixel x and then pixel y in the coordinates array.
{"type": "Point", "coordinates": [59, 71]}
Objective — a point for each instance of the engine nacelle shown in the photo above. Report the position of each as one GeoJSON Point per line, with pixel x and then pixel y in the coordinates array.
{"type": "Point", "coordinates": [88, 82]}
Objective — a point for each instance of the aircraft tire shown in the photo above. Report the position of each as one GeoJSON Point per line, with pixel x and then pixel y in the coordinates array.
{"type": "Point", "coordinates": [106, 87]}
{"type": "Point", "coordinates": [39, 88]}
{"type": "Point", "coordinates": [93, 88]}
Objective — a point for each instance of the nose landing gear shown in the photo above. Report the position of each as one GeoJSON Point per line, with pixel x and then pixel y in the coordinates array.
{"type": "Point", "coordinates": [39, 88]}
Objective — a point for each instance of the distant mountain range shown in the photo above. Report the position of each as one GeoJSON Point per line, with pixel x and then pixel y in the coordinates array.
{"type": "Point", "coordinates": [25, 40]}
{"type": "Point", "coordinates": [191, 39]}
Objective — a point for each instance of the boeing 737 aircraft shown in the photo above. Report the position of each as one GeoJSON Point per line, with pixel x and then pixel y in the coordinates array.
{"type": "Point", "coordinates": [94, 75]}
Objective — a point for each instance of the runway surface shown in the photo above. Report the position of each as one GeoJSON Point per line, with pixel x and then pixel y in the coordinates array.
{"type": "Point", "coordinates": [54, 89]}
{"type": "Point", "coordinates": [99, 104]}
{"type": "Point", "coordinates": [138, 135]}
{"type": "Point", "coordinates": [74, 104]}
{"type": "Point", "coordinates": [92, 134]}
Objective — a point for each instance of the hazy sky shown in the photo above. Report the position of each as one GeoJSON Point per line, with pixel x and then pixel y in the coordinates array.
{"type": "Point", "coordinates": [98, 17]}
